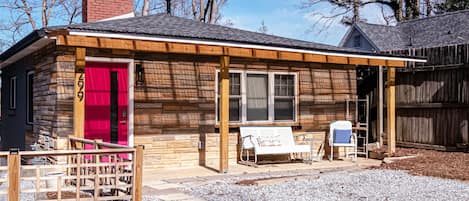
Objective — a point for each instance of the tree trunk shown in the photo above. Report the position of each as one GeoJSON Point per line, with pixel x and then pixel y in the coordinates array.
{"type": "Point", "coordinates": [194, 9]}
{"type": "Point", "coordinates": [168, 7]}
{"type": "Point", "coordinates": [202, 10]}
{"type": "Point", "coordinates": [415, 9]}
{"type": "Point", "coordinates": [428, 4]}
{"type": "Point", "coordinates": [27, 11]}
{"type": "Point", "coordinates": [44, 13]}
{"type": "Point", "coordinates": [146, 7]}
{"type": "Point", "coordinates": [356, 11]}
{"type": "Point", "coordinates": [213, 12]}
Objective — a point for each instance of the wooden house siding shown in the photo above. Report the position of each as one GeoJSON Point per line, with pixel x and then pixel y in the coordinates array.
{"type": "Point", "coordinates": [174, 108]}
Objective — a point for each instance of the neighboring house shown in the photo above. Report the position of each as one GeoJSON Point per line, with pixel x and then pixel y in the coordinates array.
{"type": "Point", "coordinates": [433, 97]}
{"type": "Point", "coordinates": [153, 80]}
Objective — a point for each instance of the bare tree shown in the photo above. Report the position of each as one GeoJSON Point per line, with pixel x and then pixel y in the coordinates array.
{"type": "Point", "coordinates": [207, 11]}
{"type": "Point", "coordinates": [146, 7]}
{"type": "Point", "coordinates": [47, 8]}
{"type": "Point", "coordinates": [71, 9]}
{"type": "Point", "coordinates": [22, 16]}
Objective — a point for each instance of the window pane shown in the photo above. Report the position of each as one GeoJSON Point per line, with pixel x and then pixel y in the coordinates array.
{"type": "Point", "coordinates": [256, 96]}
{"type": "Point", "coordinates": [284, 85]}
{"type": "Point", "coordinates": [234, 109]}
{"type": "Point", "coordinates": [284, 109]}
{"type": "Point", "coordinates": [235, 83]}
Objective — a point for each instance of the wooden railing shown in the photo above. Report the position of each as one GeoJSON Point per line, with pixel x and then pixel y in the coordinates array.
{"type": "Point", "coordinates": [104, 172]}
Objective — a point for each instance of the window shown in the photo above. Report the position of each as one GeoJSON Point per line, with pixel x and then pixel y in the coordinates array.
{"type": "Point", "coordinates": [235, 97]}
{"type": "Point", "coordinates": [284, 100]}
{"type": "Point", "coordinates": [29, 97]}
{"type": "Point", "coordinates": [260, 97]}
{"type": "Point", "coordinates": [357, 41]}
{"type": "Point", "coordinates": [12, 93]}
{"type": "Point", "coordinates": [257, 98]}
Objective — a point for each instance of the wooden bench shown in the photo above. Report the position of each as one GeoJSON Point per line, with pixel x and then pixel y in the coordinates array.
{"type": "Point", "coordinates": [269, 141]}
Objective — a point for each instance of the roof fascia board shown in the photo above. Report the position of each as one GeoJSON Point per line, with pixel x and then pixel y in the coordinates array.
{"type": "Point", "coordinates": [227, 44]}
{"type": "Point", "coordinates": [42, 42]}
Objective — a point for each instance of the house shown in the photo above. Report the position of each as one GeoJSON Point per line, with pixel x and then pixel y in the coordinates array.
{"type": "Point", "coordinates": [432, 97]}
{"type": "Point", "coordinates": [158, 81]}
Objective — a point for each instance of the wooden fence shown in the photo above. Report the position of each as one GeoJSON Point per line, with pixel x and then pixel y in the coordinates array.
{"type": "Point", "coordinates": [102, 171]}
{"type": "Point", "coordinates": [432, 98]}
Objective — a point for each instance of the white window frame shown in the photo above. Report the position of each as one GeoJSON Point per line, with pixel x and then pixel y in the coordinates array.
{"type": "Point", "coordinates": [295, 94]}
{"type": "Point", "coordinates": [12, 93]}
{"type": "Point", "coordinates": [271, 96]}
{"type": "Point", "coordinates": [29, 73]}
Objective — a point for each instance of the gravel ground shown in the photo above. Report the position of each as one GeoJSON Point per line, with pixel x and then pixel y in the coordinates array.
{"type": "Point", "coordinates": [23, 196]}
{"type": "Point", "coordinates": [362, 185]}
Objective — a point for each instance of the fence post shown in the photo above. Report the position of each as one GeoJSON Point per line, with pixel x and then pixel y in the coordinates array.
{"type": "Point", "coordinates": [14, 175]}
{"type": "Point", "coordinates": [138, 172]}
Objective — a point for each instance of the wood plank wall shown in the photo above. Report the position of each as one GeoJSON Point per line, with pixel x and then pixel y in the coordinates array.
{"type": "Point", "coordinates": [432, 98]}
{"type": "Point", "coordinates": [175, 104]}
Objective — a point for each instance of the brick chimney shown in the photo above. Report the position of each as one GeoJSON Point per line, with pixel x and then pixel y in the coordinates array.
{"type": "Point", "coordinates": [100, 10]}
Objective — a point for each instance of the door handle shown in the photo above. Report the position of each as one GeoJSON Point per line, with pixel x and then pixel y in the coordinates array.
{"type": "Point", "coordinates": [123, 121]}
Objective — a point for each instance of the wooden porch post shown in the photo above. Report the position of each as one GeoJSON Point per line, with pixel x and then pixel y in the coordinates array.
{"type": "Point", "coordinates": [79, 96]}
{"type": "Point", "coordinates": [391, 110]}
{"type": "Point", "coordinates": [224, 111]}
{"type": "Point", "coordinates": [14, 163]}
{"type": "Point", "coordinates": [380, 121]}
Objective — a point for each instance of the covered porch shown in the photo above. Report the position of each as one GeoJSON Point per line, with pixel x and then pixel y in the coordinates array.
{"type": "Point", "coordinates": [84, 43]}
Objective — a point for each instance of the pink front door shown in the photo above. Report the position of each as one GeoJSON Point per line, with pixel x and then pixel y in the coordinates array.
{"type": "Point", "coordinates": [106, 101]}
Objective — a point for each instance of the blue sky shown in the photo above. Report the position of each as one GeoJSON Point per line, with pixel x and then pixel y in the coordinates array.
{"type": "Point", "coordinates": [282, 17]}
{"type": "Point", "coordinates": [286, 18]}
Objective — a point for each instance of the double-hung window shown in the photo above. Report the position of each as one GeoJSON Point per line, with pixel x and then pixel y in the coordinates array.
{"type": "Point", "coordinates": [284, 98]}
{"type": "Point", "coordinates": [235, 97]}
{"type": "Point", "coordinates": [261, 97]}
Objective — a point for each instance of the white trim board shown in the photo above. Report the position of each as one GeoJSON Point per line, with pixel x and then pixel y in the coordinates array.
{"type": "Point", "coordinates": [127, 36]}
{"type": "Point", "coordinates": [131, 66]}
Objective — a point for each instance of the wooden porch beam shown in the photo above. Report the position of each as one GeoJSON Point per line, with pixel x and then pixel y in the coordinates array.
{"type": "Point", "coordinates": [216, 50]}
{"type": "Point", "coordinates": [79, 95]}
{"type": "Point", "coordinates": [391, 110]}
{"type": "Point", "coordinates": [224, 111]}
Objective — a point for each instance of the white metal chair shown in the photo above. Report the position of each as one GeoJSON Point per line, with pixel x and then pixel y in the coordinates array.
{"type": "Point", "coordinates": [341, 135]}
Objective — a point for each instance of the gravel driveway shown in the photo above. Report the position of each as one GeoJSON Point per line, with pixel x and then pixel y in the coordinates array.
{"type": "Point", "coordinates": [361, 185]}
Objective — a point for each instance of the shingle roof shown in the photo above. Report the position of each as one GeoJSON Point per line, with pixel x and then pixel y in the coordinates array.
{"type": "Point", "coordinates": [439, 30]}
{"type": "Point", "coordinates": [163, 25]}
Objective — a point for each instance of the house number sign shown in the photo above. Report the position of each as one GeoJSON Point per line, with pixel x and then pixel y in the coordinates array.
{"type": "Point", "coordinates": [81, 85]}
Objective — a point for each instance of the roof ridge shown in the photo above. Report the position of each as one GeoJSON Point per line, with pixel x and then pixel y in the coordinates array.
{"type": "Point", "coordinates": [435, 16]}
{"type": "Point", "coordinates": [373, 24]}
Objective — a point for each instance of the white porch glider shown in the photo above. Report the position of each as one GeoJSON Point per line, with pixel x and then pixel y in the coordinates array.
{"type": "Point", "coordinates": [269, 141]}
